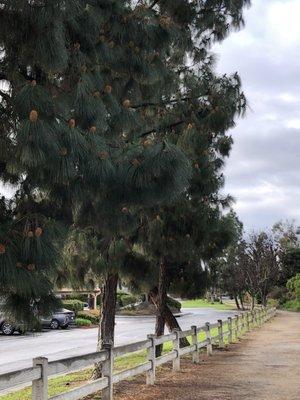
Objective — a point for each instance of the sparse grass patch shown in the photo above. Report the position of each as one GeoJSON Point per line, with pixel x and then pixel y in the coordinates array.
{"type": "Point", "coordinates": [202, 303]}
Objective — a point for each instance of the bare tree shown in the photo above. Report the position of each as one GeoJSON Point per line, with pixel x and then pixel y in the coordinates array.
{"type": "Point", "coordinates": [261, 264]}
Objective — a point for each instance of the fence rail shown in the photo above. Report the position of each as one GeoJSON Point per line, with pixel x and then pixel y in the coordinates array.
{"type": "Point", "coordinates": [216, 334]}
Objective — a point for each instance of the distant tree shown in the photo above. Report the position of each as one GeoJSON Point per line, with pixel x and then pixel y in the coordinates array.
{"type": "Point", "coordinates": [290, 265]}
{"type": "Point", "coordinates": [293, 286]}
{"type": "Point", "coordinates": [226, 271]}
{"type": "Point", "coordinates": [261, 264]}
{"type": "Point", "coordinates": [286, 236]}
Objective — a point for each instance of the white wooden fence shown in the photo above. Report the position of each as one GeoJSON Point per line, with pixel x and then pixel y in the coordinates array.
{"type": "Point", "coordinates": [216, 334]}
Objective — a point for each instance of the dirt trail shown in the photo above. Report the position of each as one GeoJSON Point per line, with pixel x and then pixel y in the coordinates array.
{"type": "Point", "coordinates": [265, 365]}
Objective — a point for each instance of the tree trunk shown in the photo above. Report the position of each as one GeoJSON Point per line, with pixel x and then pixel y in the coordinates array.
{"type": "Point", "coordinates": [161, 305]}
{"type": "Point", "coordinates": [237, 302]}
{"type": "Point", "coordinates": [264, 300]}
{"type": "Point", "coordinates": [252, 302]}
{"type": "Point", "coordinates": [106, 331]}
{"type": "Point", "coordinates": [241, 301]}
{"type": "Point", "coordinates": [168, 317]}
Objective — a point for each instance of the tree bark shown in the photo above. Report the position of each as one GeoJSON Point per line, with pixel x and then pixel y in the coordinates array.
{"type": "Point", "coordinates": [237, 302]}
{"type": "Point", "coordinates": [241, 301]}
{"type": "Point", "coordinates": [106, 331]}
{"type": "Point", "coordinates": [264, 300]}
{"type": "Point", "coordinates": [158, 297]}
{"type": "Point", "coordinates": [161, 305]}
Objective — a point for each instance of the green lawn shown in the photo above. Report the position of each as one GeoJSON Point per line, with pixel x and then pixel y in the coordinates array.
{"type": "Point", "coordinates": [202, 303]}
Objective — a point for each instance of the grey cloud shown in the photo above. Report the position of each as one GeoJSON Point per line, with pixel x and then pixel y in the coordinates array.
{"type": "Point", "coordinates": [262, 172]}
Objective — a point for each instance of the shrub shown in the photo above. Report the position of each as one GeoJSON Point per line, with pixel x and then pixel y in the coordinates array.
{"type": "Point", "coordinates": [77, 296]}
{"type": "Point", "coordinates": [292, 305]}
{"type": "Point", "coordinates": [173, 304]}
{"type": "Point", "coordinates": [74, 305]}
{"type": "Point", "coordinates": [82, 322]}
{"type": "Point", "coordinates": [273, 302]}
{"type": "Point", "coordinates": [125, 299]}
{"type": "Point", "coordinates": [293, 286]}
{"type": "Point", "coordinates": [93, 317]}
{"type": "Point", "coordinates": [279, 293]}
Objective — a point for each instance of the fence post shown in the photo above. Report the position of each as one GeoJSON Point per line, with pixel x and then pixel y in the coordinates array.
{"type": "Point", "coordinates": [220, 333]}
{"type": "Point", "coordinates": [257, 317]}
{"type": "Point", "coordinates": [264, 315]}
{"type": "Point", "coordinates": [229, 330]}
{"type": "Point", "coordinates": [195, 353]}
{"type": "Point", "coordinates": [242, 322]}
{"type": "Point", "coordinates": [247, 321]}
{"type": "Point", "coordinates": [107, 370]}
{"type": "Point", "coordinates": [253, 318]}
{"type": "Point", "coordinates": [208, 338]}
{"type": "Point", "coordinates": [176, 347]}
{"type": "Point", "coordinates": [40, 386]}
{"type": "Point", "coordinates": [150, 375]}
{"type": "Point", "coordinates": [237, 326]}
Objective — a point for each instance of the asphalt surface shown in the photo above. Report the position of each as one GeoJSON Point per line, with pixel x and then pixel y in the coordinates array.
{"type": "Point", "coordinates": [17, 351]}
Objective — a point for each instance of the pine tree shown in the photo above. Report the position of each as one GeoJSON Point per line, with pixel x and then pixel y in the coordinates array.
{"type": "Point", "coordinates": [30, 244]}
{"type": "Point", "coordinates": [98, 96]}
{"type": "Point", "coordinates": [82, 87]}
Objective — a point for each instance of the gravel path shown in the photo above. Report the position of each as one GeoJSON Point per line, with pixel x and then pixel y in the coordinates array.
{"type": "Point", "coordinates": [264, 365]}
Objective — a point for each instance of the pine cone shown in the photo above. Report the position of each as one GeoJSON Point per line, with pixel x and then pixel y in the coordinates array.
{"type": "Point", "coordinates": [72, 123]}
{"type": "Point", "coordinates": [33, 116]}
{"type": "Point", "coordinates": [93, 129]}
{"type": "Point", "coordinates": [38, 232]}
{"type": "Point", "coordinates": [126, 103]}
{"type": "Point", "coordinates": [30, 267]}
{"type": "Point", "coordinates": [33, 83]}
{"type": "Point", "coordinates": [63, 152]}
{"type": "Point", "coordinates": [2, 248]}
{"type": "Point", "coordinates": [135, 162]}
{"type": "Point", "coordinates": [147, 143]}
{"type": "Point", "coordinates": [108, 89]}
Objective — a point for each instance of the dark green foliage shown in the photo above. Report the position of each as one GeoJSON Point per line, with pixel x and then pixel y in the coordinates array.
{"type": "Point", "coordinates": [77, 296]}
{"type": "Point", "coordinates": [74, 305]}
{"type": "Point", "coordinates": [109, 107]}
{"type": "Point", "coordinates": [125, 299]}
{"type": "Point", "coordinates": [30, 248]}
{"type": "Point", "coordinates": [290, 264]}
{"type": "Point", "coordinates": [83, 322]}
{"type": "Point", "coordinates": [173, 304]}
{"type": "Point", "coordinates": [88, 315]}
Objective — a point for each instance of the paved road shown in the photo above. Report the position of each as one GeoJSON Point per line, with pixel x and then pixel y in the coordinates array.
{"type": "Point", "coordinates": [17, 351]}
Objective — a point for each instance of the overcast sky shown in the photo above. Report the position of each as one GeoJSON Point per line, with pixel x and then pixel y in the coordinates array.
{"type": "Point", "coordinates": [263, 170]}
